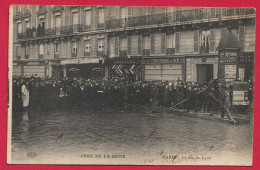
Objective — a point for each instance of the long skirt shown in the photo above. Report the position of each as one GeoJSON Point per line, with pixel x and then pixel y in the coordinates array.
{"type": "Point", "coordinates": [25, 100]}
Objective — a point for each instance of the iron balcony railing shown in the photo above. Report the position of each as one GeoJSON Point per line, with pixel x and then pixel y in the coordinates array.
{"type": "Point", "coordinates": [57, 31]}
{"type": "Point", "coordinates": [179, 16]}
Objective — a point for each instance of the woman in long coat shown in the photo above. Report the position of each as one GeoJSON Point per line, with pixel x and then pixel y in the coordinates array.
{"type": "Point", "coordinates": [25, 95]}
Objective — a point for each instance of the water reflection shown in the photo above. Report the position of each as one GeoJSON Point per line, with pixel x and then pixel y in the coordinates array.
{"type": "Point", "coordinates": [67, 133]}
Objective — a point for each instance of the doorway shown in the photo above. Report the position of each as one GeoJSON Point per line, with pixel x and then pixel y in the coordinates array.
{"type": "Point", "coordinates": [204, 73]}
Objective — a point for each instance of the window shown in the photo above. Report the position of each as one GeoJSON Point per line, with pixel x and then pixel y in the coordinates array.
{"type": "Point", "coordinates": [87, 48]}
{"type": "Point", "coordinates": [27, 52]}
{"type": "Point", "coordinates": [170, 46]}
{"type": "Point", "coordinates": [123, 44]}
{"type": "Point", "coordinates": [19, 27]}
{"type": "Point", "coordinates": [158, 42]}
{"type": "Point", "coordinates": [41, 49]}
{"type": "Point", "coordinates": [123, 12]}
{"type": "Point", "coordinates": [56, 48]}
{"type": "Point", "coordinates": [18, 53]}
{"type": "Point", "coordinates": [101, 16]}
{"type": "Point", "coordinates": [100, 46]}
{"type": "Point", "coordinates": [130, 11]}
{"type": "Point", "coordinates": [177, 42]}
{"type": "Point", "coordinates": [75, 18]}
{"type": "Point", "coordinates": [241, 37]}
{"type": "Point", "coordinates": [74, 49]}
{"type": "Point", "coordinates": [27, 24]}
{"type": "Point", "coordinates": [134, 45]}
{"type": "Point", "coordinates": [196, 41]}
{"type": "Point", "coordinates": [116, 46]}
{"type": "Point", "coordinates": [57, 21]}
{"type": "Point", "coordinates": [88, 17]}
{"type": "Point", "coordinates": [212, 47]}
{"type": "Point", "coordinates": [204, 41]}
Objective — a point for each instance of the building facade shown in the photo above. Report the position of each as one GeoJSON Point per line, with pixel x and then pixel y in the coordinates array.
{"type": "Point", "coordinates": [138, 43]}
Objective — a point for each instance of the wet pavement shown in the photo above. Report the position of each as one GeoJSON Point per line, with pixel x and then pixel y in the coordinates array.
{"type": "Point", "coordinates": [133, 137]}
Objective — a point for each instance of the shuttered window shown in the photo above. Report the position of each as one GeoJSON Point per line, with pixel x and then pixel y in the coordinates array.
{"type": "Point", "coordinates": [129, 45]}
{"type": "Point", "coordinates": [212, 47]}
{"type": "Point", "coordinates": [146, 42]}
{"type": "Point", "coordinates": [18, 50]}
{"type": "Point", "coordinates": [75, 18]}
{"type": "Point", "coordinates": [170, 41]}
{"type": "Point", "coordinates": [139, 45]}
{"type": "Point", "coordinates": [130, 11]}
{"type": "Point", "coordinates": [196, 41]}
{"type": "Point", "coordinates": [58, 21]}
{"type": "Point", "coordinates": [152, 44]}
{"type": "Point", "coordinates": [41, 49]}
{"type": "Point", "coordinates": [88, 17]}
{"type": "Point", "coordinates": [134, 45]}
{"type": "Point", "coordinates": [177, 42]}
{"type": "Point", "coordinates": [241, 37]}
{"type": "Point", "coordinates": [116, 46]}
{"type": "Point", "coordinates": [123, 44]}
{"type": "Point", "coordinates": [101, 16]}
{"type": "Point", "coordinates": [19, 26]}
{"type": "Point", "coordinates": [163, 46]}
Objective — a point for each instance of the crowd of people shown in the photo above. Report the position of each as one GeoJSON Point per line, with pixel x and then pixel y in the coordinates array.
{"type": "Point", "coordinates": [36, 93]}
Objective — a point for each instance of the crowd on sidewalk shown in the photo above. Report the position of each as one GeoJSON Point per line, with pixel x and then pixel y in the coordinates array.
{"type": "Point", "coordinates": [36, 93]}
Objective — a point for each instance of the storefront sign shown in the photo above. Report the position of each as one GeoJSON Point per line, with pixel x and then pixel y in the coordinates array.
{"type": "Point", "coordinates": [126, 61]}
{"type": "Point", "coordinates": [70, 62]}
{"type": "Point", "coordinates": [230, 71]}
{"type": "Point", "coordinates": [89, 60]}
{"type": "Point", "coordinates": [246, 58]}
{"type": "Point", "coordinates": [33, 63]}
{"type": "Point", "coordinates": [174, 60]}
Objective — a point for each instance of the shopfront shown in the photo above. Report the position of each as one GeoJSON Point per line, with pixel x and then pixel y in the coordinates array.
{"type": "Point", "coordinates": [201, 69]}
{"type": "Point", "coordinates": [159, 68]}
{"type": "Point", "coordinates": [29, 68]}
{"type": "Point", "coordinates": [127, 68]}
{"type": "Point", "coordinates": [90, 68]}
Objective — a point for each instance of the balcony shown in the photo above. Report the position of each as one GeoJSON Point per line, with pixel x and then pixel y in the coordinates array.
{"type": "Point", "coordinates": [170, 51]}
{"type": "Point", "coordinates": [101, 25]}
{"type": "Point", "coordinates": [86, 53]}
{"type": "Point", "coordinates": [73, 54]}
{"type": "Point", "coordinates": [41, 32]}
{"type": "Point", "coordinates": [179, 16]}
{"type": "Point", "coordinates": [146, 52]}
{"type": "Point", "coordinates": [86, 27]}
{"type": "Point", "coordinates": [100, 53]}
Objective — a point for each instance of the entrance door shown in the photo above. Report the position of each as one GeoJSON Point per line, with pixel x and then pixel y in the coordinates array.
{"type": "Point", "coordinates": [204, 73]}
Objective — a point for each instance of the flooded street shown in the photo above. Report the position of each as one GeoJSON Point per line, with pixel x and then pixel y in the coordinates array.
{"type": "Point", "coordinates": [80, 137]}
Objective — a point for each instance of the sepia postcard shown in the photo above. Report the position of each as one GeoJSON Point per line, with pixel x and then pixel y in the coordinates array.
{"type": "Point", "coordinates": [131, 85]}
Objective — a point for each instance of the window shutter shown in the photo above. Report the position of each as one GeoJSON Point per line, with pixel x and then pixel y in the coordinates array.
{"type": "Point", "coordinates": [196, 41]}
{"type": "Point", "coordinates": [212, 41]}
{"type": "Point", "coordinates": [130, 11]}
{"type": "Point", "coordinates": [163, 39]}
{"type": "Point", "coordinates": [129, 42]}
{"type": "Point", "coordinates": [139, 44]}
{"type": "Point", "coordinates": [241, 37]}
{"type": "Point", "coordinates": [177, 42]}
{"type": "Point", "coordinates": [152, 44]}
{"type": "Point", "coordinates": [116, 46]}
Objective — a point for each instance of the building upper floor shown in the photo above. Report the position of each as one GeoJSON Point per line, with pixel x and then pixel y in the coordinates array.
{"type": "Point", "coordinates": [32, 21]}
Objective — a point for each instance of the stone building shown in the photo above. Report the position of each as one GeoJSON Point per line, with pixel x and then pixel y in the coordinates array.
{"type": "Point", "coordinates": [138, 43]}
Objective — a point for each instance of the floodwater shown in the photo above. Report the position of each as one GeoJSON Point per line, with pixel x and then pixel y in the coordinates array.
{"type": "Point", "coordinates": [133, 137]}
